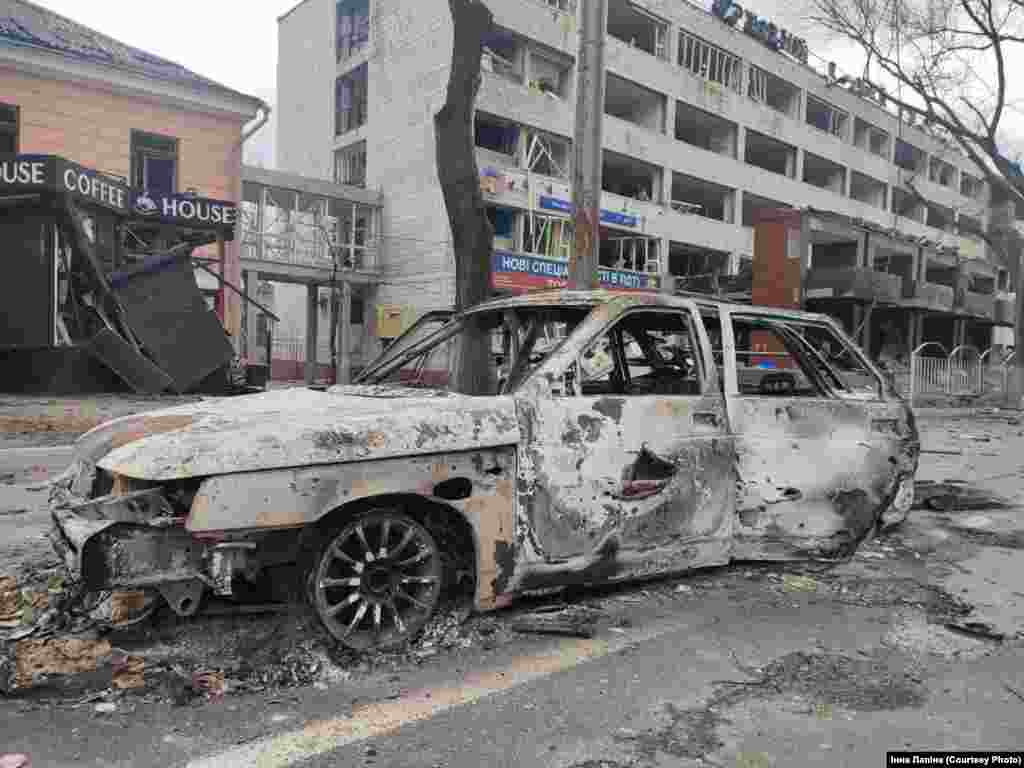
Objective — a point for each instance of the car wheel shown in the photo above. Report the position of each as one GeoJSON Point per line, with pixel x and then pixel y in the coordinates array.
{"type": "Point", "coordinates": [377, 580]}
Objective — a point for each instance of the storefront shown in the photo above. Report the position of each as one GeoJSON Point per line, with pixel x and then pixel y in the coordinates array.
{"type": "Point", "coordinates": [101, 293]}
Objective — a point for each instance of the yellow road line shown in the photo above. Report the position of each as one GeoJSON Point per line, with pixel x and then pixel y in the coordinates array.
{"type": "Point", "coordinates": [383, 718]}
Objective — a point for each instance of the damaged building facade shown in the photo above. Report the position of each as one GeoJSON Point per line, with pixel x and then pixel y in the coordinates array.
{"type": "Point", "coordinates": [710, 121]}
{"type": "Point", "coordinates": [136, 123]}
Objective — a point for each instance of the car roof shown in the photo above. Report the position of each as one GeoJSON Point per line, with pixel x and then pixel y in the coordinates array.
{"type": "Point", "coordinates": [576, 298]}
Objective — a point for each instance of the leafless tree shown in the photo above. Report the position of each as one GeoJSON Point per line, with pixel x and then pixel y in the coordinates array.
{"type": "Point", "coordinates": [472, 234]}
{"type": "Point", "coordinates": [944, 62]}
{"type": "Point", "coordinates": [949, 65]}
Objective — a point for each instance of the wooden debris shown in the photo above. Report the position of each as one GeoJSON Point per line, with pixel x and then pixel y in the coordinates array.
{"type": "Point", "coordinates": [570, 622]}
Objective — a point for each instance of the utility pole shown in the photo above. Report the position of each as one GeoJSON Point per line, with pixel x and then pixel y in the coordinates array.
{"type": "Point", "coordinates": [586, 173]}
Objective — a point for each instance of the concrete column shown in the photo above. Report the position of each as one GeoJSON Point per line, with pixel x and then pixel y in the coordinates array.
{"type": "Point", "coordinates": [670, 116]}
{"type": "Point", "coordinates": [312, 331]}
{"type": "Point", "coordinates": [857, 317]}
{"type": "Point", "coordinates": [250, 313]}
{"type": "Point", "coordinates": [865, 334]}
{"type": "Point", "coordinates": [665, 281]}
{"type": "Point", "coordinates": [795, 164]}
{"type": "Point", "coordinates": [741, 143]}
{"type": "Point", "coordinates": [847, 176]}
{"type": "Point", "coordinates": [344, 373]}
{"type": "Point", "coordinates": [959, 332]}
{"type": "Point", "coordinates": [666, 186]}
{"type": "Point", "coordinates": [737, 208]}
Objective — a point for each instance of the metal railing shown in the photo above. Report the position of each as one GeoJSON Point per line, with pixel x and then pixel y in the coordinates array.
{"type": "Point", "coordinates": [963, 372]}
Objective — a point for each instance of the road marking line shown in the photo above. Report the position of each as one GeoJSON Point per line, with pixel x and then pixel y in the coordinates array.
{"type": "Point", "coordinates": [382, 718]}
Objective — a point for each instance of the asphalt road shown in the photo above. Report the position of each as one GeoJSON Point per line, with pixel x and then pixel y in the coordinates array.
{"type": "Point", "coordinates": [740, 667]}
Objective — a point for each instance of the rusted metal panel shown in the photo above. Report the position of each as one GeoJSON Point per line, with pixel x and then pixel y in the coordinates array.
{"type": "Point", "coordinates": [815, 475]}
{"type": "Point", "coordinates": [300, 427]}
{"type": "Point", "coordinates": [297, 497]}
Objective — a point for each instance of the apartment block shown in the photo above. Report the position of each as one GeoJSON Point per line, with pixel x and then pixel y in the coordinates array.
{"type": "Point", "coordinates": [711, 123]}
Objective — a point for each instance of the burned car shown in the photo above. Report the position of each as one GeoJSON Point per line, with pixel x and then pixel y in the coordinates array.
{"type": "Point", "coordinates": [629, 446]}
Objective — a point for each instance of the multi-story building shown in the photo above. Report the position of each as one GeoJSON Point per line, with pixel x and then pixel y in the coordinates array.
{"type": "Point", "coordinates": [707, 125]}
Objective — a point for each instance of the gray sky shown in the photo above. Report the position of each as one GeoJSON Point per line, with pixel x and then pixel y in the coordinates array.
{"type": "Point", "coordinates": [235, 41]}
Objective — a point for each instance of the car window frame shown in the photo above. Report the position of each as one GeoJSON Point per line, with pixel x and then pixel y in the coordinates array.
{"type": "Point", "coordinates": [570, 370]}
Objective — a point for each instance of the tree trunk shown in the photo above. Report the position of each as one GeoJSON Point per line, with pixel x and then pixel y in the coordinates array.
{"type": "Point", "coordinates": [472, 234]}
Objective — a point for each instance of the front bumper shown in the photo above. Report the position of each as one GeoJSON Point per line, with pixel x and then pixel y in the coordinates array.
{"type": "Point", "coordinates": [124, 542]}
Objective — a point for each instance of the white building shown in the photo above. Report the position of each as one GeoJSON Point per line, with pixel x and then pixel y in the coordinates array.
{"type": "Point", "coordinates": [706, 126]}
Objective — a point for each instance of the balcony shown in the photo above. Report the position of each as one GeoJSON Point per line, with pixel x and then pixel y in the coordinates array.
{"type": "Point", "coordinates": [854, 283]}
{"type": "Point", "coordinates": [931, 296]}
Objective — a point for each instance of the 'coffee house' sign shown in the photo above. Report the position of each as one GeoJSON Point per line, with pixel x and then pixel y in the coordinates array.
{"type": "Point", "coordinates": [47, 173]}
{"type": "Point", "coordinates": [733, 14]}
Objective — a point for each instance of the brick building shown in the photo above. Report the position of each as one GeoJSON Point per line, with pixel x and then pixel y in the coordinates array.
{"type": "Point", "coordinates": [70, 91]}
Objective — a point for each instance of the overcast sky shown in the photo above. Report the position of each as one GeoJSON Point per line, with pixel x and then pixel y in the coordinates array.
{"type": "Point", "coordinates": [235, 41]}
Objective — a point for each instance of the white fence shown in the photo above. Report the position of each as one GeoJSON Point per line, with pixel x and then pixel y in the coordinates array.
{"type": "Point", "coordinates": [964, 372]}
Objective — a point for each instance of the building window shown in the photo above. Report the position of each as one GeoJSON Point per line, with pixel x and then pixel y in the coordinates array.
{"type": "Point", "coordinates": [154, 163]}
{"type": "Point", "coordinates": [765, 88]}
{"type": "Point", "coordinates": [827, 118]}
{"type": "Point", "coordinates": [358, 311]}
{"type": "Point", "coordinates": [710, 62]}
{"type": "Point", "coordinates": [353, 27]}
{"type": "Point", "coordinates": [350, 101]}
{"type": "Point", "coordinates": [8, 130]}
{"type": "Point", "coordinates": [350, 165]}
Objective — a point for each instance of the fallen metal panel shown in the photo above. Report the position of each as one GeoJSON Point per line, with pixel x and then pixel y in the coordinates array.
{"type": "Point", "coordinates": [169, 316]}
{"type": "Point", "coordinates": [138, 372]}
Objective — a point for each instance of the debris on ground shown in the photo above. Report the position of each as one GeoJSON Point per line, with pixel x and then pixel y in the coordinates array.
{"type": "Point", "coordinates": [978, 629]}
{"type": "Point", "coordinates": [954, 494]}
{"type": "Point", "coordinates": [574, 621]}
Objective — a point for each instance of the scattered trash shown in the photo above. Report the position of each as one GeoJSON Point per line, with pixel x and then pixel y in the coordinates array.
{"type": "Point", "coordinates": [684, 589]}
{"type": "Point", "coordinates": [106, 708]}
{"type": "Point", "coordinates": [129, 672]}
{"type": "Point", "coordinates": [791, 583]}
{"type": "Point", "coordinates": [13, 512]}
{"type": "Point", "coordinates": [30, 660]}
{"type": "Point", "coordinates": [1009, 688]}
{"type": "Point", "coordinates": [15, 761]}
{"type": "Point", "coordinates": [210, 683]}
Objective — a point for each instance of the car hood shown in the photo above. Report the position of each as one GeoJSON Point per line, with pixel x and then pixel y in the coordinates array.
{"type": "Point", "coordinates": [297, 427]}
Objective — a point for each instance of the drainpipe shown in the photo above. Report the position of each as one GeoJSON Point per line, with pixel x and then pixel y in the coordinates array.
{"type": "Point", "coordinates": [264, 109]}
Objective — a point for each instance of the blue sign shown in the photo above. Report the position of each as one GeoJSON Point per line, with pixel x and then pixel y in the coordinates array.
{"type": "Point", "coordinates": [621, 219]}
{"type": "Point", "coordinates": [519, 272]}
{"type": "Point", "coordinates": [554, 204]}
{"type": "Point", "coordinates": [607, 217]}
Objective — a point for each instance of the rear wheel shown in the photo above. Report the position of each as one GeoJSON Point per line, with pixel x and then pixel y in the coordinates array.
{"type": "Point", "coordinates": [377, 580]}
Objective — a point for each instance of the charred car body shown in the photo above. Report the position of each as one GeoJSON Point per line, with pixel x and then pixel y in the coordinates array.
{"type": "Point", "coordinates": [638, 442]}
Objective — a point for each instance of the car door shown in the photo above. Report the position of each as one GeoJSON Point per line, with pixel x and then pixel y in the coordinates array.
{"type": "Point", "coordinates": [631, 464]}
{"type": "Point", "coordinates": [821, 453]}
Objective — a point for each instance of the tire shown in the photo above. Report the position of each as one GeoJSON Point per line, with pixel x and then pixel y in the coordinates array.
{"type": "Point", "coordinates": [377, 580]}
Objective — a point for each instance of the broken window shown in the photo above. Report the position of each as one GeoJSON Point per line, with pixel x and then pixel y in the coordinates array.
{"type": "Point", "coordinates": [154, 162]}
{"type": "Point", "coordinates": [942, 173]}
{"type": "Point", "coordinates": [906, 204]}
{"type": "Point", "coordinates": [940, 217]}
{"type": "Point", "coordinates": [981, 283]}
{"type": "Point", "coordinates": [836, 358]}
{"type": "Point", "coordinates": [628, 177]}
{"type": "Point", "coordinates": [827, 118]}
{"type": "Point", "coordinates": [630, 101]}
{"type": "Point", "coordinates": [772, 91]}
{"type": "Point", "coordinates": [351, 232]}
{"type": "Point", "coordinates": [705, 130]}
{"type": "Point", "coordinates": [520, 341]}
{"type": "Point", "coordinates": [770, 154]}
{"type": "Point", "coordinates": [710, 62]}
{"type": "Point", "coordinates": [970, 186]}
{"type": "Point", "coordinates": [353, 33]}
{"type": "Point", "coordinates": [547, 236]}
{"type": "Point", "coordinates": [789, 358]}
{"type": "Point", "coordinates": [8, 129]}
{"type": "Point", "coordinates": [547, 154]}
{"type": "Point", "coordinates": [908, 157]}
{"type": "Point", "coordinates": [637, 28]}
{"type": "Point", "coordinates": [969, 226]}
{"type": "Point", "coordinates": [503, 221]}
{"type": "Point", "coordinates": [496, 135]}
{"type": "Point", "coordinates": [867, 189]}
{"type": "Point", "coordinates": [620, 250]}
{"type": "Point", "coordinates": [702, 198]}
{"type": "Point", "coordinates": [350, 165]}
{"type": "Point", "coordinates": [350, 93]}
{"type": "Point", "coordinates": [645, 353]}
{"type": "Point", "coordinates": [823, 173]}
{"type": "Point", "coordinates": [503, 56]}
{"type": "Point", "coordinates": [550, 74]}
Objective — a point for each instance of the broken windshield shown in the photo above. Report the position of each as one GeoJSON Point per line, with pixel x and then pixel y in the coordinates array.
{"type": "Point", "coordinates": [517, 341]}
